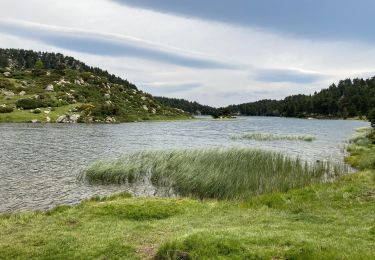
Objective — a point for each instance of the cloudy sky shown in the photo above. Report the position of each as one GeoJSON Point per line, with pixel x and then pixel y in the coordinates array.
{"type": "Point", "coordinates": [217, 52]}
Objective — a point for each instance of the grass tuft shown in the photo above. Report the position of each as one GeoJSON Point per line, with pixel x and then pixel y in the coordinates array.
{"type": "Point", "coordinates": [276, 137]}
{"type": "Point", "coordinates": [214, 173]}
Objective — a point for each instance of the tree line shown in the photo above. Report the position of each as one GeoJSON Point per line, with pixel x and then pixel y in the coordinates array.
{"type": "Point", "coordinates": [348, 99]}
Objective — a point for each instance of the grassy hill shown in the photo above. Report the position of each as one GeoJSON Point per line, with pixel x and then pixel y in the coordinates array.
{"type": "Point", "coordinates": [48, 87]}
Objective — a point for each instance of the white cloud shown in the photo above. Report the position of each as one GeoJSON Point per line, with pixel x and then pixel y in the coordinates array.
{"type": "Point", "coordinates": [254, 50]}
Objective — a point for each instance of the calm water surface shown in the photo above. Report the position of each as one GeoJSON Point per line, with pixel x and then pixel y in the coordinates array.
{"type": "Point", "coordinates": [39, 163]}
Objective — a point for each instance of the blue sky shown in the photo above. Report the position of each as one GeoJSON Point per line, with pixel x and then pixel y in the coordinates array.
{"type": "Point", "coordinates": [215, 52]}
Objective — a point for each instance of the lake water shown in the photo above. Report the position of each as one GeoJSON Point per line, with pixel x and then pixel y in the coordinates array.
{"type": "Point", "coordinates": [40, 163]}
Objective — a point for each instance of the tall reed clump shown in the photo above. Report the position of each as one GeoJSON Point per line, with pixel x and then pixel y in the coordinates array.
{"type": "Point", "coordinates": [362, 149]}
{"type": "Point", "coordinates": [214, 173]}
{"type": "Point", "coordinates": [276, 137]}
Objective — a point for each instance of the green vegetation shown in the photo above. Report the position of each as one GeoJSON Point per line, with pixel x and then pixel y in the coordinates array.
{"type": "Point", "coordinates": [5, 109]}
{"type": "Point", "coordinates": [276, 137]}
{"type": "Point", "coordinates": [371, 117]}
{"type": "Point", "coordinates": [321, 221]}
{"type": "Point", "coordinates": [348, 99]}
{"type": "Point", "coordinates": [188, 106]}
{"type": "Point", "coordinates": [35, 80]}
{"type": "Point", "coordinates": [214, 173]}
{"type": "Point", "coordinates": [362, 149]}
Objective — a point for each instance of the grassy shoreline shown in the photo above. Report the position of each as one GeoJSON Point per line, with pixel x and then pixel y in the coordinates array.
{"type": "Point", "coordinates": [319, 221]}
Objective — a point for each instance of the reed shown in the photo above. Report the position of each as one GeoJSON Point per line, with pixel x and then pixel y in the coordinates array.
{"type": "Point", "coordinates": [235, 173]}
{"type": "Point", "coordinates": [276, 137]}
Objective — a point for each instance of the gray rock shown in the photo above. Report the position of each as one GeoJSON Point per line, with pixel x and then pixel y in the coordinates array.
{"type": "Point", "coordinates": [68, 118]}
{"type": "Point", "coordinates": [110, 119]}
{"type": "Point", "coordinates": [8, 93]}
{"type": "Point", "coordinates": [22, 93]}
{"type": "Point", "coordinates": [62, 119]}
{"type": "Point", "coordinates": [49, 87]}
{"type": "Point", "coordinates": [74, 118]}
{"type": "Point", "coordinates": [6, 74]}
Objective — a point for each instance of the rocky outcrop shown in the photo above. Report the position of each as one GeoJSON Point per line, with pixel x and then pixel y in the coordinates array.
{"type": "Point", "coordinates": [68, 118]}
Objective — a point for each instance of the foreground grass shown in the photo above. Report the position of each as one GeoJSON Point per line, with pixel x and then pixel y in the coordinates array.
{"type": "Point", "coordinates": [214, 173]}
{"type": "Point", "coordinates": [276, 137]}
{"type": "Point", "coordinates": [322, 221]}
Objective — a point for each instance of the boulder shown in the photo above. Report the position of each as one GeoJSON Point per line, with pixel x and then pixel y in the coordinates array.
{"type": "Point", "coordinates": [145, 107]}
{"type": "Point", "coordinates": [22, 93]}
{"type": "Point", "coordinates": [48, 119]}
{"type": "Point", "coordinates": [62, 119]}
{"type": "Point", "coordinates": [68, 118]}
{"type": "Point", "coordinates": [49, 87]}
{"type": "Point", "coordinates": [110, 119]}
{"type": "Point", "coordinates": [8, 93]}
{"type": "Point", "coordinates": [107, 96]}
{"type": "Point", "coordinates": [74, 118]}
{"type": "Point", "coordinates": [6, 74]}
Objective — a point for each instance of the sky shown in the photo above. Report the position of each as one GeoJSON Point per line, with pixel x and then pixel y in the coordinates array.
{"type": "Point", "coordinates": [216, 52]}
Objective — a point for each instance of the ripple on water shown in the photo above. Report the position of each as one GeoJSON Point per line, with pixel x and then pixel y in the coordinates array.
{"type": "Point", "coordinates": [40, 163]}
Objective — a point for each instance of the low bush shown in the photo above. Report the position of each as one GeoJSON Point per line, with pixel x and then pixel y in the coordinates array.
{"type": "Point", "coordinates": [6, 84]}
{"type": "Point", "coordinates": [4, 110]}
{"type": "Point", "coordinates": [32, 103]}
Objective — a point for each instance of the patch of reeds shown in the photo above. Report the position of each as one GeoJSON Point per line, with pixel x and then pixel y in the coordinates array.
{"type": "Point", "coordinates": [276, 137]}
{"type": "Point", "coordinates": [214, 173]}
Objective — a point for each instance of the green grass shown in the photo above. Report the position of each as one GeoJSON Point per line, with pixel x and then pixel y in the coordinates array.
{"type": "Point", "coordinates": [22, 116]}
{"type": "Point", "coordinates": [214, 173]}
{"type": "Point", "coordinates": [362, 149]}
{"type": "Point", "coordinates": [322, 221]}
{"type": "Point", "coordinates": [276, 137]}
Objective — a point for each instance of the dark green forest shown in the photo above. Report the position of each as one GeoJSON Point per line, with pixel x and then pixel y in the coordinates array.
{"type": "Point", "coordinates": [188, 106]}
{"type": "Point", "coordinates": [348, 99]}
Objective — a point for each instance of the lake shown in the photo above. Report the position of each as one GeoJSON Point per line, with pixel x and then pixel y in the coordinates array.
{"type": "Point", "coordinates": [40, 163]}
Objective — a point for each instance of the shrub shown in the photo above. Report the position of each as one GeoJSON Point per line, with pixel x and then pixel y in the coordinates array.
{"type": "Point", "coordinates": [31, 103]}
{"type": "Point", "coordinates": [106, 110]}
{"type": "Point", "coordinates": [371, 117]}
{"type": "Point", "coordinates": [6, 110]}
{"type": "Point", "coordinates": [6, 84]}
{"type": "Point", "coordinates": [37, 111]}
{"type": "Point", "coordinates": [86, 107]}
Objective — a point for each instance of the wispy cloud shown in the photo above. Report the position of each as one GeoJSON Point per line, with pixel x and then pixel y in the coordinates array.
{"type": "Point", "coordinates": [287, 75]}
{"type": "Point", "coordinates": [311, 19]}
{"type": "Point", "coordinates": [166, 88]}
{"type": "Point", "coordinates": [110, 45]}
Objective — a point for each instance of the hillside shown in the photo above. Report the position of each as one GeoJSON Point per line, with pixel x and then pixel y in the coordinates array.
{"type": "Point", "coordinates": [49, 87]}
